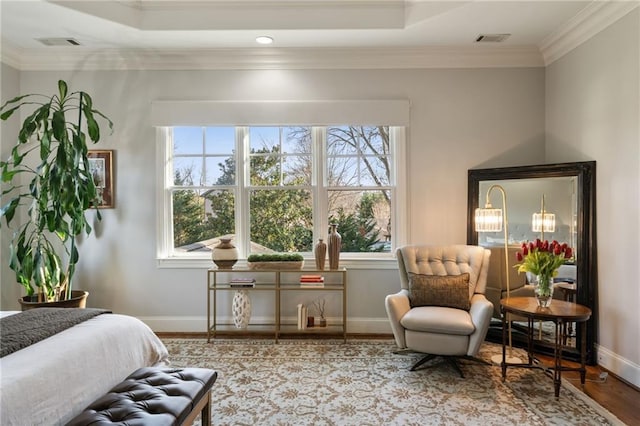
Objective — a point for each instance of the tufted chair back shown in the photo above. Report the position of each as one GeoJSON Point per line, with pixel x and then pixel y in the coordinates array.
{"type": "Point", "coordinates": [445, 260]}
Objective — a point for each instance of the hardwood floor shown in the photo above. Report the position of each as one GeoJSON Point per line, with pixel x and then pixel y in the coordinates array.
{"type": "Point", "coordinates": [614, 394]}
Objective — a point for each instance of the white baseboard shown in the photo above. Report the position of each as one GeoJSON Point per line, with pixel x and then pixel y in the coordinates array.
{"type": "Point", "coordinates": [619, 366]}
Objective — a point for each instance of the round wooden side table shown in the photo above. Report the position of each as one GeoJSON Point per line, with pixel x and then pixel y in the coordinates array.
{"type": "Point", "coordinates": [560, 312]}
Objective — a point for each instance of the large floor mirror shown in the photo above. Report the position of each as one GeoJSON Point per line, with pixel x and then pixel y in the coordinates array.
{"type": "Point", "coordinates": [566, 191]}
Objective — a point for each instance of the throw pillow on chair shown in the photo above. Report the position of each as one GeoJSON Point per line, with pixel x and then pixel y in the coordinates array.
{"type": "Point", "coordinates": [450, 291]}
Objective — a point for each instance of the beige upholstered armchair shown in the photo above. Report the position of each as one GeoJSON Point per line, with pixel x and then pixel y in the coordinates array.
{"type": "Point", "coordinates": [441, 309]}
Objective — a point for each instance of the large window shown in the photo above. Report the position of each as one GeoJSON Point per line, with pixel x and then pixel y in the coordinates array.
{"type": "Point", "coordinates": [277, 188]}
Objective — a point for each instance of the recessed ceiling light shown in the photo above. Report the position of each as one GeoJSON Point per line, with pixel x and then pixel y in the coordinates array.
{"type": "Point", "coordinates": [264, 40]}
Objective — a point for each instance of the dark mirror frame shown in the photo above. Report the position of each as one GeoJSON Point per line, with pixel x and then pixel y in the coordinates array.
{"type": "Point", "coordinates": [586, 250]}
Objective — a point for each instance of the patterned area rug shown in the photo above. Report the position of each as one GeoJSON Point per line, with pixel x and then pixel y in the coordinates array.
{"type": "Point", "coordinates": [363, 382]}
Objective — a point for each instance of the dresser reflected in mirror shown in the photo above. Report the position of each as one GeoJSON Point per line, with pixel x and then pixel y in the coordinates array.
{"type": "Point", "coordinates": [563, 198]}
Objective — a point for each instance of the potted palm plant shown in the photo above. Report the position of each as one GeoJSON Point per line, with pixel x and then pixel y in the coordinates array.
{"type": "Point", "coordinates": [48, 174]}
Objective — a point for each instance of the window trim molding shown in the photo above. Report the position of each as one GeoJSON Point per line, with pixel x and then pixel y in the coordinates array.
{"type": "Point", "coordinates": [393, 112]}
{"type": "Point", "coordinates": [176, 113]}
{"type": "Point", "coordinates": [164, 234]}
{"type": "Point", "coordinates": [388, 261]}
{"type": "Point", "coordinates": [401, 205]}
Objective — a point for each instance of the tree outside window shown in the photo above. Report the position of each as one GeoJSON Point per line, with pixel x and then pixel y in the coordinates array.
{"type": "Point", "coordinates": [355, 179]}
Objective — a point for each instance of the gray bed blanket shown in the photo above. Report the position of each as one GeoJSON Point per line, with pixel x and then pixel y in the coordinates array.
{"type": "Point", "coordinates": [26, 328]}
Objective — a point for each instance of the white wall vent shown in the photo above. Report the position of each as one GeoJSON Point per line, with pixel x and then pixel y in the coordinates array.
{"type": "Point", "coordinates": [59, 41]}
{"type": "Point", "coordinates": [492, 38]}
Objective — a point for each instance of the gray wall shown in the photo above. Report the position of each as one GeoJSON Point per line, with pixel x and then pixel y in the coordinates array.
{"type": "Point", "coordinates": [9, 291]}
{"type": "Point", "coordinates": [593, 113]}
{"type": "Point", "coordinates": [460, 119]}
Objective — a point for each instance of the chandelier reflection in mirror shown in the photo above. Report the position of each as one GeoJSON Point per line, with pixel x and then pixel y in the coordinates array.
{"type": "Point", "coordinates": [543, 221]}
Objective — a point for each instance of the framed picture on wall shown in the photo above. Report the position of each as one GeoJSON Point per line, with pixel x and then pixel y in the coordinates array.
{"type": "Point", "coordinates": [101, 168]}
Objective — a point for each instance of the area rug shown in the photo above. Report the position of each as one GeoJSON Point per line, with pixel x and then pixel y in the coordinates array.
{"type": "Point", "coordinates": [365, 382]}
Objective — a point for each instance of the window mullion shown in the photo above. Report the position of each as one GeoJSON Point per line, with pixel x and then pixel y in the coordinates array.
{"type": "Point", "coordinates": [281, 156]}
{"type": "Point", "coordinates": [242, 210]}
{"type": "Point", "coordinates": [319, 179]}
{"type": "Point", "coordinates": [203, 176]}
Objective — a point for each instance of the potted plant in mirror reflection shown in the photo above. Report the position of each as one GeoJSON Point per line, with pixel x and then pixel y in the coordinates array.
{"type": "Point", "coordinates": [543, 258]}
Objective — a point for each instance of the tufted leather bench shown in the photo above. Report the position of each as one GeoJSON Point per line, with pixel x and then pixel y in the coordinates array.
{"type": "Point", "coordinates": [155, 396]}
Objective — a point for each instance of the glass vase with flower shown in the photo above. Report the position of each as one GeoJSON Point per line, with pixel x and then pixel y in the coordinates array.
{"type": "Point", "coordinates": [542, 259]}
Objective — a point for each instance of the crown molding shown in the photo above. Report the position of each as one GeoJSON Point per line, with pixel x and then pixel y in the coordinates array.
{"type": "Point", "coordinates": [589, 22]}
{"type": "Point", "coordinates": [79, 58]}
{"type": "Point", "coordinates": [10, 55]}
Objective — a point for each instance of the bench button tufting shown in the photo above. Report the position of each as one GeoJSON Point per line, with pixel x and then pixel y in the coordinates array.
{"type": "Point", "coordinates": [154, 396]}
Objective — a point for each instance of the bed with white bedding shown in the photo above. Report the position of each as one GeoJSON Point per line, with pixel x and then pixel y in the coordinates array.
{"type": "Point", "coordinates": [51, 381]}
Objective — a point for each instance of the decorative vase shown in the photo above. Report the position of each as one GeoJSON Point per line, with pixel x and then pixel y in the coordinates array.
{"type": "Point", "coordinates": [543, 290]}
{"type": "Point", "coordinates": [225, 254]}
{"type": "Point", "coordinates": [322, 322]}
{"type": "Point", "coordinates": [321, 254]}
{"type": "Point", "coordinates": [241, 309]}
{"type": "Point", "coordinates": [335, 243]}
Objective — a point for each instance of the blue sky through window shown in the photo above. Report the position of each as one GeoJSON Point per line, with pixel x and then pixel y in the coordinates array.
{"type": "Point", "coordinates": [198, 152]}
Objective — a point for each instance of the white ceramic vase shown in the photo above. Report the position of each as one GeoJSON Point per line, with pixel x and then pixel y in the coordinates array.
{"type": "Point", "coordinates": [241, 309]}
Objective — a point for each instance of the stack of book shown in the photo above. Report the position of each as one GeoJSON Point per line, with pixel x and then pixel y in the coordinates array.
{"type": "Point", "coordinates": [311, 281]}
{"type": "Point", "coordinates": [238, 282]}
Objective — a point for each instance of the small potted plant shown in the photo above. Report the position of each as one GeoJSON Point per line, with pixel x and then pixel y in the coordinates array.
{"type": "Point", "coordinates": [48, 174]}
{"type": "Point", "coordinates": [274, 261]}
{"type": "Point", "coordinates": [319, 307]}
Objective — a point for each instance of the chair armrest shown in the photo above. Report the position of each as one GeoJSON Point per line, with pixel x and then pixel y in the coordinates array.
{"type": "Point", "coordinates": [480, 311]}
{"type": "Point", "coordinates": [397, 305]}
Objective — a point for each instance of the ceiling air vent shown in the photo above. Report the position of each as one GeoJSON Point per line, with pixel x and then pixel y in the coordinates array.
{"type": "Point", "coordinates": [59, 41]}
{"type": "Point", "coordinates": [492, 38]}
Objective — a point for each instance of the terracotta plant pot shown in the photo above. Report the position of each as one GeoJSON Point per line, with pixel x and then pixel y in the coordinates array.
{"type": "Point", "coordinates": [78, 300]}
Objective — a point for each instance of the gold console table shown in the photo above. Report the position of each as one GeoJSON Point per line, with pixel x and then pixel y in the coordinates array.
{"type": "Point", "coordinates": [277, 282]}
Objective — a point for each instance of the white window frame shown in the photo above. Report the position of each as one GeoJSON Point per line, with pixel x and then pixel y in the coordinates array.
{"type": "Point", "coordinates": [163, 121]}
